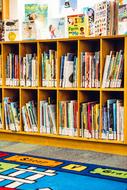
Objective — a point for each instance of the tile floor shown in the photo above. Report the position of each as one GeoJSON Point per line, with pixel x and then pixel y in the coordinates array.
{"type": "Point", "coordinates": [65, 154]}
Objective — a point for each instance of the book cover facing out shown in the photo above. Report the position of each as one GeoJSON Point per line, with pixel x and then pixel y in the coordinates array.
{"type": "Point", "coordinates": [12, 32]}
{"type": "Point", "coordinates": [122, 19]}
{"type": "Point", "coordinates": [38, 14]}
{"type": "Point", "coordinates": [76, 25]}
{"type": "Point", "coordinates": [57, 28]}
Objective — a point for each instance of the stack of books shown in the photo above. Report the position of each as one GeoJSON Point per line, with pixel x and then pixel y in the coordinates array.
{"type": "Point", "coordinates": [68, 117]}
{"type": "Point", "coordinates": [49, 68]}
{"type": "Point", "coordinates": [90, 69]}
{"type": "Point", "coordinates": [47, 117]}
{"type": "Point", "coordinates": [113, 120]}
{"type": "Point", "coordinates": [12, 70]}
{"type": "Point", "coordinates": [113, 70]}
{"type": "Point", "coordinates": [90, 120]}
{"type": "Point", "coordinates": [11, 113]}
{"type": "Point", "coordinates": [68, 70]}
{"type": "Point", "coordinates": [29, 115]}
{"type": "Point", "coordinates": [28, 70]}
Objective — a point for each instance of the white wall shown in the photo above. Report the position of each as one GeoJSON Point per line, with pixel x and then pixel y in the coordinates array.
{"type": "Point", "coordinates": [17, 6]}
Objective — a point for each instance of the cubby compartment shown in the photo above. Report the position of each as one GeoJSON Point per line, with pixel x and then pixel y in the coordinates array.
{"type": "Point", "coordinates": [89, 102]}
{"type": "Point", "coordinates": [11, 103]}
{"type": "Point", "coordinates": [11, 66]}
{"type": "Point", "coordinates": [113, 115]}
{"type": "Point", "coordinates": [29, 64]}
{"type": "Point", "coordinates": [112, 70]}
{"type": "Point", "coordinates": [68, 113]}
{"type": "Point", "coordinates": [1, 65]}
{"type": "Point", "coordinates": [89, 63]}
{"type": "Point", "coordinates": [48, 64]}
{"type": "Point", "coordinates": [1, 110]}
{"type": "Point", "coordinates": [47, 111]}
{"type": "Point", "coordinates": [68, 64]}
{"type": "Point", "coordinates": [29, 107]}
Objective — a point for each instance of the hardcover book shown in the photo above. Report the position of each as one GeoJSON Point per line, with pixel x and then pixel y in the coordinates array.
{"type": "Point", "coordinates": [12, 30]}
{"type": "Point", "coordinates": [38, 14]}
{"type": "Point", "coordinates": [76, 25]}
{"type": "Point", "coordinates": [57, 28]}
{"type": "Point", "coordinates": [122, 19]}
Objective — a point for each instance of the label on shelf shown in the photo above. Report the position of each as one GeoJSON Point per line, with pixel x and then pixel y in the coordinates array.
{"type": "Point", "coordinates": [7, 81]}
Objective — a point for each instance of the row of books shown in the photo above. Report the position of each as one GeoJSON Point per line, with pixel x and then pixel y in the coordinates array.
{"type": "Point", "coordinates": [29, 115]}
{"type": "Point", "coordinates": [0, 70]}
{"type": "Point", "coordinates": [90, 69]}
{"type": "Point", "coordinates": [1, 115]}
{"type": "Point", "coordinates": [90, 119]}
{"type": "Point", "coordinates": [11, 113]}
{"type": "Point", "coordinates": [28, 70]}
{"type": "Point", "coordinates": [47, 117]}
{"type": "Point", "coordinates": [49, 68]}
{"type": "Point", "coordinates": [68, 118]}
{"type": "Point", "coordinates": [12, 70]}
{"type": "Point", "coordinates": [113, 120]}
{"type": "Point", "coordinates": [113, 70]}
{"type": "Point", "coordinates": [68, 70]}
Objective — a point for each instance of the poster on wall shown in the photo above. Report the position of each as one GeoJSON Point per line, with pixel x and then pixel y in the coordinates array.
{"type": "Point", "coordinates": [37, 15]}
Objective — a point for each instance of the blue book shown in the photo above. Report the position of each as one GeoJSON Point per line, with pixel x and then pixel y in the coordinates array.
{"type": "Point", "coordinates": [62, 69]}
{"type": "Point", "coordinates": [114, 120]}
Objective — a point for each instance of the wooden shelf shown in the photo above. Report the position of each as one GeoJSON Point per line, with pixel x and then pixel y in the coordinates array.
{"type": "Point", "coordinates": [23, 94]}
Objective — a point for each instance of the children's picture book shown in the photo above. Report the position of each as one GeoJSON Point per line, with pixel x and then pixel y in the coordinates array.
{"type": "Point", "coordinates": [76, 25]}
{"type": "Point", "coordinates": [122, 19]}
{"type": "Point", "coordinates": [12, 31]}
{"type": "Point", "coordinates": [89, 14]}
{"type": "Point", "coordinates": [29, 31]}
{"type": "Point", "coordinates": [67, 4]}
{"type": "Point", "coordinates": [38, 14]}
{"type": "Point", "coordinates": [57, 28]}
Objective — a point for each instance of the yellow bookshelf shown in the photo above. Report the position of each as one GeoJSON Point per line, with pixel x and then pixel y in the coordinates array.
{"type": "Point", "coordinates": [24, 94]}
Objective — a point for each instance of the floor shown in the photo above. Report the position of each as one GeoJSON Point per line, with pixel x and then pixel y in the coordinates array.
{"type": "Point", "coordinates": [65, 154]}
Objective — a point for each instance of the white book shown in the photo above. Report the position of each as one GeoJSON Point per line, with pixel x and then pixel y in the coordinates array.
{"type": "Point", "coordinates": [105, 73]}
{"type": "Point", "coordinates": [69, 74]}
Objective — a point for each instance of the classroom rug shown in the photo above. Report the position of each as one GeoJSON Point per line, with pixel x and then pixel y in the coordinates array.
{"type": "Point", "coordinates": [25, 172]}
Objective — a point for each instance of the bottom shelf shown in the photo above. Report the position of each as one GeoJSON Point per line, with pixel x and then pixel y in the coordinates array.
{"type": "Point", "coordinates": [105, 146]}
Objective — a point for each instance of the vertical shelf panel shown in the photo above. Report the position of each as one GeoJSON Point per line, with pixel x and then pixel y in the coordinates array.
{"type": "Point", "coordinates": [125, 89]}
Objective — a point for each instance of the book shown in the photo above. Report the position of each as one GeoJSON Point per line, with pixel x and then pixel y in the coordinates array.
{"type": "Point", "coordinates": [12, 30]}
{"type": "Point", "coordinates": [12, 70]}
{"type": "Point", "coordinates": [29, 31]}
{"type": "Point", "coordinates": [89, 16]}
{"type": "Point", "coordinates": [29, 115]}
{"type": "Point", "coordinates": [57, 28]}
{"type": "Point", "coordinates": [2, 30]}
{"type": "Point", "coordinates": [11, 113]}
{"type": "Point", "coordinates": [28, 70]}
{"type": "Point", "coordinates": [37, 15]}
{"type": "Point", "coordinates": [47, 117]}
{"type": "Point", "coordinates": [1, 122]}
{"type": "Point", "coordinates": [76, 25]}
{"type": "Point", "coordinates": [122, 19]}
